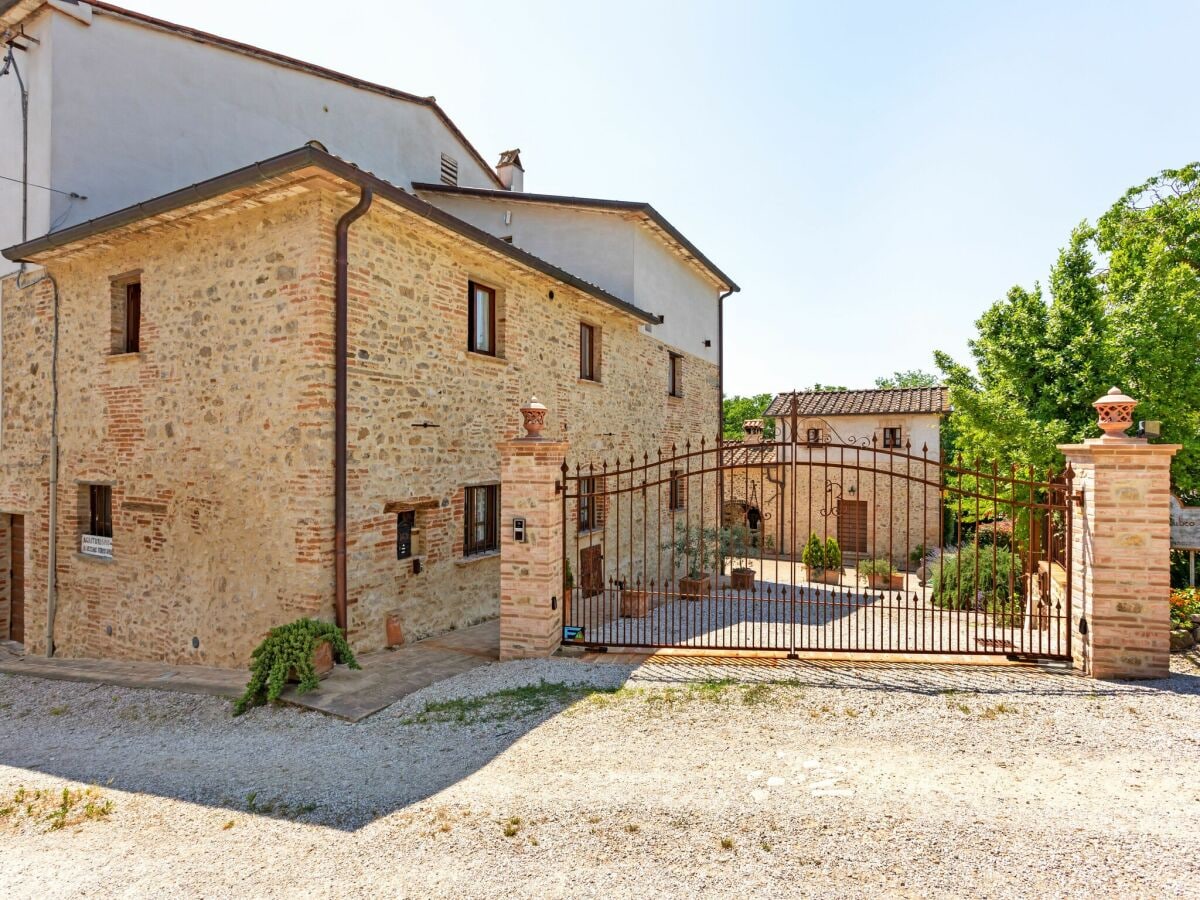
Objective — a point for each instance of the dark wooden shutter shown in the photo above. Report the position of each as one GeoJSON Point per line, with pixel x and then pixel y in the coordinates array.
{"type": "Point", "coordinates": [133, 317]}
{"type": "Point", "coordinates": [16, 580]}
{"type": "Point", "coordinates": [852, 526]}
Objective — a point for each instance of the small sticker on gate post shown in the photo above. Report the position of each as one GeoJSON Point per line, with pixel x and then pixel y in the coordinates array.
{"type": "Point", "coordinates": [572, 632]}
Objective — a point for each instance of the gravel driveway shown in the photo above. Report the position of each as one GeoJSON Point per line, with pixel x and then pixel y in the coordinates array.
{"type": "Point", "coordinates": [676, 779]}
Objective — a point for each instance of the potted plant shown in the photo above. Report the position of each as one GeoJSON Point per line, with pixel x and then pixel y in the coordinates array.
{"type": "Point", "coordinates": [880, 574]}
{"type": "Point", "coordinates": [635, 602]}
{"type": "Point", "coordinates": [737, 544]}
{"type": "Point", "coordinates": [302, 651]}
{"type": "Point", "coordinates": [691, 547]}
{"type": "Point", "coordinates": [833, 559]}
{"type": "Point", "coordinates": [823, 560]}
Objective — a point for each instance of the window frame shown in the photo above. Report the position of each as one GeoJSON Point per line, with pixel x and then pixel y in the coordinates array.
{"type": "Point", "coordinates": [814, 436]}
{"type": "Point", "coordinates": [674, 374]}
{"type": "Point", "coordinates": [100, 510]}
{"type": "Point", "coordinates": [676, 491]}
{"type": "Point", "coordinates": [132, 337]}
{"type": "Point", "coordinates": [491, 507]}
{"type": "Point", "coordinates": [588, 370]}
{"type": "Point", "coordinates": [890, 443]}
{"type": "Point", "coordinates": [473, 288]}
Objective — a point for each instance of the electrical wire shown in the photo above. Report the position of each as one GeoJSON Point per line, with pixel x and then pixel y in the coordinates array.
{"type": "Point", "coordinates": [71, 194]}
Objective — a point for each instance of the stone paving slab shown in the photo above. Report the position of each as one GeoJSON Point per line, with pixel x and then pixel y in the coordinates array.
{"type": "Point", "coordinates": [385, 677]}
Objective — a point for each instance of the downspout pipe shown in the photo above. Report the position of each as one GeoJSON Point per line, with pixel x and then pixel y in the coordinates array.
{"type": "Point", "coordinates": [340, 381]}
{"type": "Point", "coordinates": [721, 366]}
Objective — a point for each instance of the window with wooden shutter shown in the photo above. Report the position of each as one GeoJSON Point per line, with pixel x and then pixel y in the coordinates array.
{"type": "Point", "coordinates": [482, 519]}
{"type": "Point", "coordinates": [100, 509]}
{"type": "Point", "coordinates": [675, 375]}
{"type": "Point", "coordinates": [891, 438]}
{"type": "Point", "coordinates": [677, 496]}
{"type": "Point", "coordinates": [125, 322]}
{"type": "Point", "coordinates": [593, 503]}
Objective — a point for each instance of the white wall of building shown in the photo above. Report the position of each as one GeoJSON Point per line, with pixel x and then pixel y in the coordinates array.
{"type": "Point", "coordinates": [919, 430]}
{"type": "Point", "coordinates": [139, 112]}
{"type": "Point", "coordinates": [609, 249]}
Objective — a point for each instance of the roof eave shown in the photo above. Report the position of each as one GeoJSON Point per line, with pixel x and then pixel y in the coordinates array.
{"type": "Point", "coordinates": [588, 203]}
{"type": "Point", "coordinates": [288, 162]}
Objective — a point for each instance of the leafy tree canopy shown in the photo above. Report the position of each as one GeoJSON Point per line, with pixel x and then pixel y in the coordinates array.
{"type": "Point", "coordinates": [738, 409]}
{"type": "Point", "coordinates": [911, 378]}
{"type": "Point", "coordinates": [1040, 361]}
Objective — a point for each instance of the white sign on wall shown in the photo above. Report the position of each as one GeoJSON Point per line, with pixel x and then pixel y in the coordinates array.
{"type": "Point", "coordinates": [1185, 526]}
{"type": "Point", "coordinates": [94, 545]}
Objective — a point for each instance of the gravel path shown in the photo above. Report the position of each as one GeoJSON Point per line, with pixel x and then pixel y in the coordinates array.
{"type": "Point", "coordinates": [799, 779]}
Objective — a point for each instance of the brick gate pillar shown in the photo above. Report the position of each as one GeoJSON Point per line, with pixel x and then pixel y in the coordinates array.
{"type": "Point", "coordinates": [1120, 555]}
{"type": "Point", "coordinates": [531, 570]}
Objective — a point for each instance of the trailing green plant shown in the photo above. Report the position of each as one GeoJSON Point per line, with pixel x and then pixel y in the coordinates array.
{"type": "Point", "coordinates": [978, 579]}
{"type": "Point", "coordinates": [917, 555]}
{"type": "Point", "coordinates": [833, 554]}
{"type": "Point", "coordinates": [814, 553]}
{"type": "Point", "coordinates": [875, 568]}
{"type": "Point", "coordinates": [286, 648]}
{"type": "Point", "coordinates": [568, 575]}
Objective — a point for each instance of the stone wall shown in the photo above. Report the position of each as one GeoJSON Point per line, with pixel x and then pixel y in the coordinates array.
{"type": "Point", "coordinates": [410, 366]}
{"type": "Point", "coordinates": [217, 437]}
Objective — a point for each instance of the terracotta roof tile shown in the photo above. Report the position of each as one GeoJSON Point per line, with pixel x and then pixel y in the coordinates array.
{"type": "Point", "coordinates": [875, 401]}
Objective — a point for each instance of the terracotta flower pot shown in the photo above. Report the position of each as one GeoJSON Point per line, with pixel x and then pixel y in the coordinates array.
{"type": "Point", "coordinates": [322, 658]}
{"type": "Point", "coordinates": [395, 631]}
{"type": "Point", "coordinates": [893, 582]}
{"type": "Point", "coordinates": [695, 588]}
{"type": "Point", "coordinates": [635, 604]}
{"type": "Point", "coordinates": [825, 576]}
{"type": "Point", "coordinates": [742, 579]}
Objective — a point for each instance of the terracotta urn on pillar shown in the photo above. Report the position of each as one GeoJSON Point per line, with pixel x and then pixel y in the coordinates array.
{"type": "Point", "coordinates": [1115, 411]}
{"type": "Point", "coordinates": [534, 414]}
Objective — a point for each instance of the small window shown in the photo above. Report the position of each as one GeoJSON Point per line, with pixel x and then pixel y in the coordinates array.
{"type": "Point", "coordinates": [678, 492]}
{"type": "Point", "coordinates": [588, 368]}
{"type": "Point", "coordinates": [405, 523]}
{"type": "Point", "coordinates": [591, 503]}
{"type": "Point", "coordinates": [481, 326]}
{"type": "Point", "coordinates": [449, 170]}
{"type": "Point", "coordinates": [675, 375]}
{"type": "Point", "coordinates": [891, 438]}
{"type": "Point", "coordinates": [100, 510]}
{"type": "Point", "coordinates": [814, 436]}
{"type": "Point", "coordinates": [482, 508]}
{"type": "Point", "coordinates": [126, 322]}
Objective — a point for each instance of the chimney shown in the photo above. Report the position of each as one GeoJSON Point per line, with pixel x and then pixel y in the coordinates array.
{"type": "Point", "coordinates": [510, 170]}
{"type": "Point", "coordinates": [752, 429]}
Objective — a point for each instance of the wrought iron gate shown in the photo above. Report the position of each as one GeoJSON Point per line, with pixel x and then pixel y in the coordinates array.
{"type": "Point", "coordinates": [815, 545]}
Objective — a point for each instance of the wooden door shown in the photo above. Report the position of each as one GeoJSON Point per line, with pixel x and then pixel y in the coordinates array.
{"type": "Point", "coordinates": [16, 580]}
{"type": "Point", "coordinates": [591, 570]}
{"type": "Point", "coordinates": [852, 526]}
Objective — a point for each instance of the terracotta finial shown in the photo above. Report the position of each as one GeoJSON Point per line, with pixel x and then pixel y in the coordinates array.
{"type": "Point", "coordinates": [534, 414]}
{"type": "Point", "coordinates": [1116, 413]}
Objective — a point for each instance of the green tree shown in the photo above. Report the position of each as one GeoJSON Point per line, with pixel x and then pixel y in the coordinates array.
{"type": "Point", "coordinates": [1040, 363]}
{"type": "Point", "coordinates": [738, 409]}
{"type": "Point", "coordinates": [910, 378]}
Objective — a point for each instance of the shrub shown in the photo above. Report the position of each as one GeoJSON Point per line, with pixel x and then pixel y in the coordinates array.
{"type": "Point", "coordinates": [880, 568]}
{"type": "Point", "coordinates": [917, 555]}
{"type": "Point", "coordinates": [693, 547]}
{"type": "Point", "coordinates": [833, 554]}
{"type": "Point", "coordinates": [285, 648]}
{"type": "Point", "coordinates": [1185, 603]}
{"type": "Point", "coordinates": [970, 579]}
{"type": "Point", "coordinates": [814, 553]}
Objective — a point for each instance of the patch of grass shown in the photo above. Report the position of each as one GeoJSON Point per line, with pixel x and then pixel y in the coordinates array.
{"type": "Point", "coordinates": [512, 826]}
{"type": "Point", "coordinates": [277, 808]}
{"type": "Point", "coordinates": [228, 825]}
{"type": "Point", "coordinates": [999, 709]}
{"type": "Point", "coordinates": [756, 694]}
{"type": "Point", "coordinates": [593, 820]}
{"type": "Point", "coordinates": [726, 843]}
{"type": "Point", "coordinates": [59, 710]}
{"type": "Point", "coordinates": [765, 847]}
{"type": "Point", "coordinates": [48, 810]}
{"type": "Point", "coordinates": [504, 705]}
{"type": "Point", "coordinates": [633, 828]}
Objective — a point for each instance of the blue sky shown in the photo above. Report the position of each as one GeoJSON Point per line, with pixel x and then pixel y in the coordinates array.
{"type": "Point", "coordinates": [873, 175]}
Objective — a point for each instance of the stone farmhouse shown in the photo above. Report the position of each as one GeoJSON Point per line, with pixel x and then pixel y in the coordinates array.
{"type": "Point", "coordinates": [842, 441]}
{"type": "Point", "coordinates": [263, 336]}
